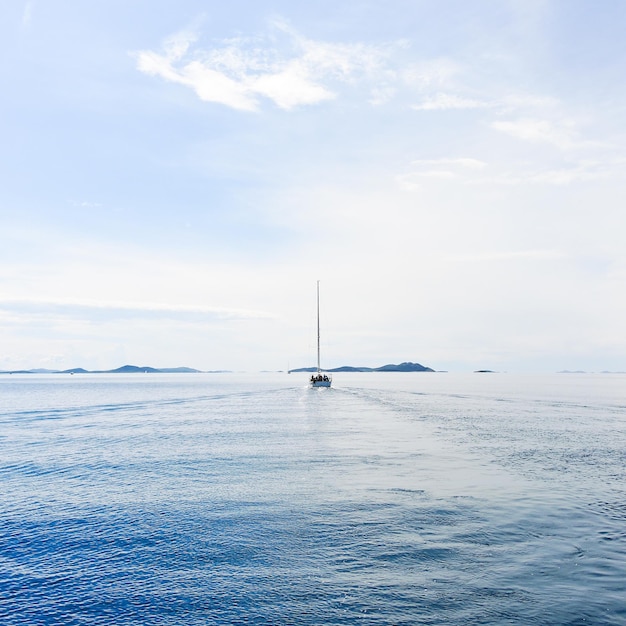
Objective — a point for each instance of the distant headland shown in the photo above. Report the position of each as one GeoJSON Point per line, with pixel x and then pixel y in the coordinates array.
{"type": "Point", "coordinates": [402, 367]}
{"type": "Point", "coordinates": [145, 369]}
{"type": "Point", "coordinates": [125, 369]}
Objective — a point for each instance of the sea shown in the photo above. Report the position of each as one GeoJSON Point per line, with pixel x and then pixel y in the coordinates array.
{"type": "Point", "coordinates": [388, 499]}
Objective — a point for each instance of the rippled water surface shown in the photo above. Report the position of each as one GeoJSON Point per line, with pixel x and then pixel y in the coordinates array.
{"type": "Point", "coordinates": [251, 499]}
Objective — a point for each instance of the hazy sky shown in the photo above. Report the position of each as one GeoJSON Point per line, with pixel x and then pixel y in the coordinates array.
{"type": "Point", "coordinates": [175, 177]}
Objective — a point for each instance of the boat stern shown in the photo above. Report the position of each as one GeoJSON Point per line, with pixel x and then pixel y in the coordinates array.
{"type": "Point", "coordinates": [321, 380]}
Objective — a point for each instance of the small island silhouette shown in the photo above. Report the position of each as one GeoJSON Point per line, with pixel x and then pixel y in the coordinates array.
{"type": "Point", "coordinates": [125, 369]}
{"type": "Point", "coordinates": [402, 367]}
{"type": "Point", "coordinates": [145, 369]}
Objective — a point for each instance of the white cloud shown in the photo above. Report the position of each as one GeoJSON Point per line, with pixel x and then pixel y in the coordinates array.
{"type": "Point", "coordinates": [291, 87]}
{"type": "Point", "coordinates": [448, 101]}
{"type": "Point", "coordinates": [27, 15]}
{"type": "Point", "coordinates": [213, 86]}
{"type": "Point", "coordinates": [565, 176]}
{"type": "Point", "coordinates": [562, 135]}
{"type": "Point", "coordinates": [527, 101]}
{"type": "Point", "coordinates": [581, 171]}
{"type": "Point", "coordinates": [86, 308]}
{"type": "Point", "coordinates": [473, 164]}
{"type": "Point", "coordinates": [237, 72]}
{"type": "Point", "coordinates": [510, 255]}
{"type": "Point", "coordinates": [291, 70]}
{"type": "Point", "coordinates": [85, 204]}
{"type": "Point", "coordinates": [445, 102]}
{"type": "Point", "coordinates": [434, 73]}
{"type": "Point", "coordinates": [447, 168]}
{"type": "Point", "coordinates": [466, 171]}
{"type": "Point", "coordinates": [382, 94]}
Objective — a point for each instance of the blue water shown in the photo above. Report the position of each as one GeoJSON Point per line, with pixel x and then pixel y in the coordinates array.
{"type": "Point", "coordinates": [249, 499]}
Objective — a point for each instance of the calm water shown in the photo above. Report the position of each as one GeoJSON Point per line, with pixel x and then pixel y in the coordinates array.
{"type": "Point", "coordinates": [242, 499]}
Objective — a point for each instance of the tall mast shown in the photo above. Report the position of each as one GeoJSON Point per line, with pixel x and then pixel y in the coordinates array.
{"type": "Point", "coordinates": [318, 327]}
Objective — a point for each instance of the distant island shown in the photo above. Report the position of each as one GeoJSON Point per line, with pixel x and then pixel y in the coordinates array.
{"type": "Point", "coordinates": [402, 367]}
{"type": "Point", "coordinates": [145, 369]}
{"type": "Point", "coordinates": [125, 369]}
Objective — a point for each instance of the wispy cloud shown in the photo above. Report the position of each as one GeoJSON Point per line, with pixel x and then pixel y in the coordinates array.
{"type": "Point", "coordinates": [511, 255]}
{"type": "Point", "coordinates": [526, 101]}
{"type": "Point", "coordinates": [472, 164]}
{"type": "Point", "coordinates": [475, 172]}
{"type": "Point", "coordinates": [27, 14]}
{"type": "Point", "coordinates": [238, 73]}
{"type": "Point", "coordinates": [562, 134]}
{"type": "Point", "coordinates": [88, 309]}
{"type": "Point", "coordinates": [570, 172]}
{"type": "Point", "coordinates": [431, 74]}
{"type": "Point", "coordinates": [285, 68]}
{"type": "Point", "coordinates": [445, 102]}
{"type": "Point", "coordinates": [450, 100]}
{"type": "Point", "coordinates": [85, 204]}
{"type": "Point", "coordinates": [447, 168]}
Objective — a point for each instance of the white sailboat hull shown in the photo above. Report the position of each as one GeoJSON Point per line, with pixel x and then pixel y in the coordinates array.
{"type": "Point", "coordinates": [320, 383]}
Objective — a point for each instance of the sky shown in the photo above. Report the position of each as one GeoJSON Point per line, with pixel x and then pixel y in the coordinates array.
{"type": "Point", "coordinates": [176, 176]}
